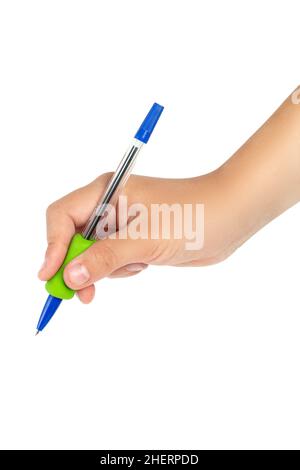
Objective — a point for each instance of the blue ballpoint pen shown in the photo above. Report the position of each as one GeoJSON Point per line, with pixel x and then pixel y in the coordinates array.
{"type": "Point", "coordinates": [80, 242]}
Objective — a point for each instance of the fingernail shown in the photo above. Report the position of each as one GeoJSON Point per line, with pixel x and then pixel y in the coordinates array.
{"type": "Point", "coordinates": [135, 267]}
{"type": "Point", "coordinates": [78, 274]}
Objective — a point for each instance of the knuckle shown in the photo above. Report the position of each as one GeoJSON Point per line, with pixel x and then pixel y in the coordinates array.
{"type": "Point", "coordinates": [106, 258]}
{"type": "Point", "coordinates": [52, 208]}
{"type": "Point", "coordinates": [155, 252]}
{"type": "Point", "coordinates": [107, 175]}
{"type": "Point", "coordinates": [104, 178]}
{"type": "Point", "coordinates": [49, 209]}
{"type": "Point", "coordinates": [55, 208]}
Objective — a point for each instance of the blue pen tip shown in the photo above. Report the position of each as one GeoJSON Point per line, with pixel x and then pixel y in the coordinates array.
{"type": "Point", "coordinates": [150, 121]}
{"type": "Point", "coordinates": [50, 307]}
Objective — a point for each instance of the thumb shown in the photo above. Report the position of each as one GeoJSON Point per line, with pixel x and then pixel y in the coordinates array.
{"type": "Point", "coordinates": [104, 257]}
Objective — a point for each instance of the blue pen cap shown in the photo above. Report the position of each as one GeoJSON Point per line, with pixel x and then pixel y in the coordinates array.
{"type": "Point", "coordinates": [147, 126]}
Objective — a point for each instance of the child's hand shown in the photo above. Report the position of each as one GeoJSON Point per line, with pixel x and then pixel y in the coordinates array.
{"type": "Point", "coordinates": [127, 257]}
{"type": "Point", "coordinates": [255, 185]}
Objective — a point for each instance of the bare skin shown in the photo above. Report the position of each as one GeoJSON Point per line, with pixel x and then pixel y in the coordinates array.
{"type": "Point", "coordinates": [259, 182]}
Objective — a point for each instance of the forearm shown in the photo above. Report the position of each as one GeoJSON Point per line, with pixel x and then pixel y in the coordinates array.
{"type": "Point", "coordinates": [262, 179]}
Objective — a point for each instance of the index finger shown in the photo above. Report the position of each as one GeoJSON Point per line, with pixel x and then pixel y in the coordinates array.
{"type": "Point", "coordinates": [60, 229]}
{"type": "Point", "coordinates": [63, 216]}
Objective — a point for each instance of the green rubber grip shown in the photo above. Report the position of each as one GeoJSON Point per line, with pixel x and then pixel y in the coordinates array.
{"type": "Point", "coordinates": [56, 285]}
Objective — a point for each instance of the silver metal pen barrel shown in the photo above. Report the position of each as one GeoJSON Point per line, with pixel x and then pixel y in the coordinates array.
{"type": "Point", "coordinates": [114, 187]}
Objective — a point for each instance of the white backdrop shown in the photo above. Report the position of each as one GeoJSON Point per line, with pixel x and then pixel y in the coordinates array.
{"type": "Point", "coordinates": [198, 358]}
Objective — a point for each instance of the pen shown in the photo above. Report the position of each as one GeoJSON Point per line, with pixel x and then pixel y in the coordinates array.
{"type": "Point", "coordinates": [56, 287]}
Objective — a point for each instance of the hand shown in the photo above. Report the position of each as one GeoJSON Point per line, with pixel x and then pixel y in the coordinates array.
{"type": "Point", "coordinates": [128, 257]}
{"type": "Point", "coordinates": [260, 181]}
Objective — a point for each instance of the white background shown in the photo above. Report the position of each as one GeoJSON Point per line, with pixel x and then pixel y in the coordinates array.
{"type": "Point", "coordinates": [199, 358]}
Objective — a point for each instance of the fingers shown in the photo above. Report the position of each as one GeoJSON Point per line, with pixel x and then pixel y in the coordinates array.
{"type": "Point", "coordinates": [106, 257]}
{"type": "Point", "coordinates": [60, 229]}
{"type": "Point", "coordinates": [63, 216]}
{"type": "Point", "coordinates": [87, 294]}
